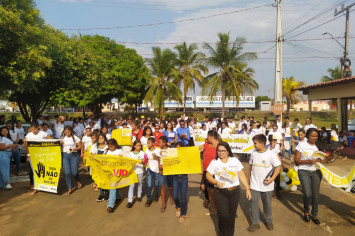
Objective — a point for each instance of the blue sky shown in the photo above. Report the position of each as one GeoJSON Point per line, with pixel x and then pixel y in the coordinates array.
{"type": "Point", "coordinates": [307, 60]}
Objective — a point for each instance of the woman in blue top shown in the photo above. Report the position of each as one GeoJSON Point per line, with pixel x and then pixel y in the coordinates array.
{"type": "Point", "coordinates": [170, 134]}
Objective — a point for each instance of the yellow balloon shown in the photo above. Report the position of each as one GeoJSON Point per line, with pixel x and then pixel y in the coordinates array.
{"type": "Point", "coordinates": [296, 182]}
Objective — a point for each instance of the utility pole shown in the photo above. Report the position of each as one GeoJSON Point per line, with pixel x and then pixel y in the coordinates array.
{"type": "Point", "coordinates": [346, 62]}
{"type": "Point", "coordinates": [278, 60]}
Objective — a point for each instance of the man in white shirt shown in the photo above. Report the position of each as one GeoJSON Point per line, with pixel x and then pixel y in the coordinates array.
{"type": "Point", "coordinates": [241, 122]}
{"type": "Point", "coordinates": [59, 127]}
{"type": "Point", "coordinates": [231, 123]}
{"type": "Point", "coordinates": [309, 124]}
{"type": "Point", "coordinates": [279, 122]}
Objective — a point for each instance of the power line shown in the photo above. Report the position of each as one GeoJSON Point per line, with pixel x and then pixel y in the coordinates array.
{"type": "Point", "coordinates": [170, 22]}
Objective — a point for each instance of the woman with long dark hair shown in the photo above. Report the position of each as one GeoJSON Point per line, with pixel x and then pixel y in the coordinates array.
{"type": "Point", "coordinates": [226, 173]}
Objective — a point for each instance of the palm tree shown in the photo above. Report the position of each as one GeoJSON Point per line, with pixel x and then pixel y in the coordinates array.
{"type": "Point", "coordinates": [233, 77]}
{"type": "Point", "coordinates": [334, 74]}
{"type": "Point", "coordinates": [189, 67]}
{"type": "Point", "coordinates": [289, 86]}
{"type": "Point", "coordinates": [160, 86]}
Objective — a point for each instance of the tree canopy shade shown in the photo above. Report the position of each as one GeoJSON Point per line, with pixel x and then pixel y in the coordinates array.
{"type": "Point", "coordinates": [291, 95]}
{"type": "Point", "coordinates": [189, 67]}
{"type": "Point", "coordinates": [234, 77]}
{"type": "Point", "coordinates": [160, 85]}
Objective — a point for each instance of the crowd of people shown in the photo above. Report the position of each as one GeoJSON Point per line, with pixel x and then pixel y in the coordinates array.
{"type": "Point", "coordinates": [222, 172]}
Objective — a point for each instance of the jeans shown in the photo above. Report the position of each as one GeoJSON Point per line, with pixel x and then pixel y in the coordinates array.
{"type": "Point", "coordinates": [289, 140]}
{"type": "Point", "coordinates": [266, 199]}
{"type": "Point", "coordinates": [114, 194]}
{"type": "Point", "coordinates": [180, 184]}
{"type": "Point", "coordinates": [227, 203]}
{"type": "Point", "coordinates": [70, 166]}
{"type": "Point", "coordinates": [17, 158]}
{"type": "Point", "coordinates": [131, 188]}
{"type": "Point", "coordinates": [5, 158]}
{"type": "Point", "coordinates": [150, 176]}
{"type": "Point", "coordinates": [310, 181]}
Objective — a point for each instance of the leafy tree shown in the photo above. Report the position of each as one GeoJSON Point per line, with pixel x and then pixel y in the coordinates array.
{"type": "Point", "coordinates": [160, 85]}
{"type": "Point", "coordinates": [262, 98]}
{"type": "Point", "coordinates": [189, 67]}
{"type": "Point", "coordinates": [291, 95]}
{"type": "Point", "coordinates": [233, 77]}
{"type": "Point", "coordinates": [334, 74]}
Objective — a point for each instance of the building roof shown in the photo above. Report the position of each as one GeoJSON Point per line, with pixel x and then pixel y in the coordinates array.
{"type": "Point", "coordinates": [329, 83]}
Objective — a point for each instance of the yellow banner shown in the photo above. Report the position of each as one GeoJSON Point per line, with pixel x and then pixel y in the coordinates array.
{"type": "Point", "coordinates": [122, 136]}
{"type": "Point", "coordinates": [185, 160]}
{"type": "Point", "coordinates": [111, 172]}
{"type": "Point", "coordinates": [46, 161]}
{"type": "Point", "coordinates": [335, 180]}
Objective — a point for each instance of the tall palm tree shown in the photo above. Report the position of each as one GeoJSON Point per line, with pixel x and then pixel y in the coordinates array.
{"type": "Point", "coordinates": [160, 86]}
{"type": "Point", "coordinates": [189, 67]}
{"type": "Point", "coordinates": [334, 74]}
{"type": "Point", "coordinates": [233, 77]}
{"type": "Point", "coordinates": [291, 95]}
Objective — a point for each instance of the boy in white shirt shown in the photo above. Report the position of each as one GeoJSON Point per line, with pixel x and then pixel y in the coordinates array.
{"type": "Point", "coordinates": [264, 168]}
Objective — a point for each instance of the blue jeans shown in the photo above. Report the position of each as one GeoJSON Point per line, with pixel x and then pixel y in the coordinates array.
{"type": "Point", "coordinates": [5, 158]}
{"type": "Point", "coordinates": [70, 166]}
{"type": "Point", "coordinates": [180, 184]}
{"type": "Point", "coordinates": [17, 158]}
{"type": "Point", "coordinates": [114, 194]}
{"type": "Point", "coordinates": [289, 140]}
{"type": "Point", "coordinates": [150, 176]}
{"type": "Point", "coordinates": [310, 181]}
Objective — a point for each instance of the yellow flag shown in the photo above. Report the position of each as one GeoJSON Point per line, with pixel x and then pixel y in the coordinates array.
{"type": "Point", "coordinates": [184, 160]}
{"type": "Point", "coordinates": [122, 136]}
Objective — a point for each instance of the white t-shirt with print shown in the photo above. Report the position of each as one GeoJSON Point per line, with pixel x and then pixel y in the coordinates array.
{"type": "Point", "coordinates": [139, 156]}
{"type": "Point", "coordinates": [7, 142]}
{"type": "Point", "coordinates": [40, 135]}
{"type": "Point", "coordinates": [69, 143]}
{"type": "Point", "coordinates": [13, 135]}
{"type": "Point", "coordinates": [333, 135]}
{"type": "Point", "coordinates": [58, 130]}
{"type": "Point", "coordinates": [306, 127]}
{"type": "Point", "coordinates": [117, 152]}
{"type": "Point", "coordinates": [144, 140]}
{"type": "Point", "coordinates": [227, 173]}
{"type": "Point", "coordinates": [306, 151]}
{"type": "Point", "coordinates": [153, 164]}
{"type": "Point", "coordinates": [262, 163]}
{"type": "Point", "coordinates": [86, 140]}
{"type": "Point", "coordinates": [21, 132]}
{"type": "Point", "coordinates": [224, 131]}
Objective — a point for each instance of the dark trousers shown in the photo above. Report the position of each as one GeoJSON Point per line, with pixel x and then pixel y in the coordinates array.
{"type": "Point", "coordinates": [310, 181]}
{"type": "Point", "coordinates": [227, 203]}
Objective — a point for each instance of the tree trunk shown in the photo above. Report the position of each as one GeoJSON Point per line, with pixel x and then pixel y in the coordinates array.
{"type": "Point", "coordinates": [288, 104]}
{"type": "Point", "coordinates": [24, 111]}
{"type": "Point", "coordinates": [136, 104]}
{"type": "Point", "coordinates": [223, 105]}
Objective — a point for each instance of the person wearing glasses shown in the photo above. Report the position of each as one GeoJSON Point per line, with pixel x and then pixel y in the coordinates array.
{"type": "Point", "coordinates": [225, 172]}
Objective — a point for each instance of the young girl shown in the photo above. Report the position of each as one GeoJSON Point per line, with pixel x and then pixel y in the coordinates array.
{"type": "Point", "coordinates": [287, 136]}
{"type": "Point", "coordinates": [115, 197]}
{"type": "Point", "coordinates": [71, 144]}
{"type": "Point", "coordinates": [152, 171]}
{"type": "Point", "coordinates": [170, 134]}
{"type": "Point", "coordinates": [86, 140]}
{"type": "Point", "coordinates": [15, 152]}
{"type": "Point", "coordinates": [301, 137]}
{"type": "Point", "coordinates": [180, 184]}
{"type": "Point", "coordinates": [136, 153]}
{"type": "Point", "coordinates": [147, 133]}
{"type": "Point", "coordinates": [94, 139]}
{"type": "Point", "coordinates": [100, 148]}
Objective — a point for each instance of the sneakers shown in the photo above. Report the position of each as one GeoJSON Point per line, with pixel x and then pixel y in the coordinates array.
{"type": "Point", "coordinates": [106, 198]}
{"type": "Point", "coordinates": [110, 209]}
{"type": "Point", "coordinates": [129, 205]}
{"type": "Point", "coordinates": [148, 203]}
{"type": "Point", "coordinates": [269, 226]}
{"type": "Point", "coordinates": [139, 199]}
{"type": "Point", "coordinates": [8, 187]}
{"type": "Point", "coordinates": [100, 198]}
{"type": "Point", "coordinates": [307, 218]}
{"type": "Point", "coordinates": [253, 228]}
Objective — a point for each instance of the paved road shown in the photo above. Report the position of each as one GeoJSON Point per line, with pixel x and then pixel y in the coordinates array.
{"type": "Point", "coordinates": [57, 214]}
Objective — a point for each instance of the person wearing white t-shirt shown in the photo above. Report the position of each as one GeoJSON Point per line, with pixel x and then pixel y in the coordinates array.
{"type": "Point", "coordinates": [276, 134]}
{"type": "Point", "coordinates": [138, 154]}
{"type": "Point", "coordinates": [47, 130]}
{"type": "Point", "coordinates": [114, 196]}
{"type": "Point", "coordinates": [86, 140]}
{"type": "Point", "coordinates": [287, 137]}
{"type": "Point", "coordinates": [147, 133]}
{"type": "Point", "coordinates": [225, 173]}
{"type": "Point", "coordinates": [310, 177]}
{"type": "Point", "coordinates": [240, 123]}
{"type": "Point", "coordinates": [34, 133]}
{"type": "Point", "coordinates": [58, 127]}
{"type": "Point", "coordinates": [231, 124]}
{"type": "Point", "coordinates": [152, 171]}
{"type": "Point", "coordinates": [203, 131]}
{"type": "Point", "coordinates": [264, 168]}
{"type": "Point", "coordinates": [20, 130]}
{"type": "Point", "coordinates": [71, 144]}
{"type": "Point", "coordinates": [309, 124]}
{"type": "Point", "coordinates": [334, 134]}
{"type": "Point", "coordinates": [224, 129]}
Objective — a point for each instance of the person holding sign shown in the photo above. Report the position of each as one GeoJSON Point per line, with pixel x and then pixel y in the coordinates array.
{"type": "Point", "coordinates": [71, 144]}
{"type": "Point", "coordinates": [264, 168]}
{"type": "Point", "coordinates": [310, 177]}
{"type": "Point", "coordinates": [228, 173]}
{"type": "Point", "coordinates": [152, 171]}
{"type": "Point", "coordinates": [183, 133]}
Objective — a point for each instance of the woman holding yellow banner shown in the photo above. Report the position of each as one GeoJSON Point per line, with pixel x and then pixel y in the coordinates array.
{"type": "Point", "coordinates": [71, 144]}
{"type": "Point", "coordinates": [309, 175]}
